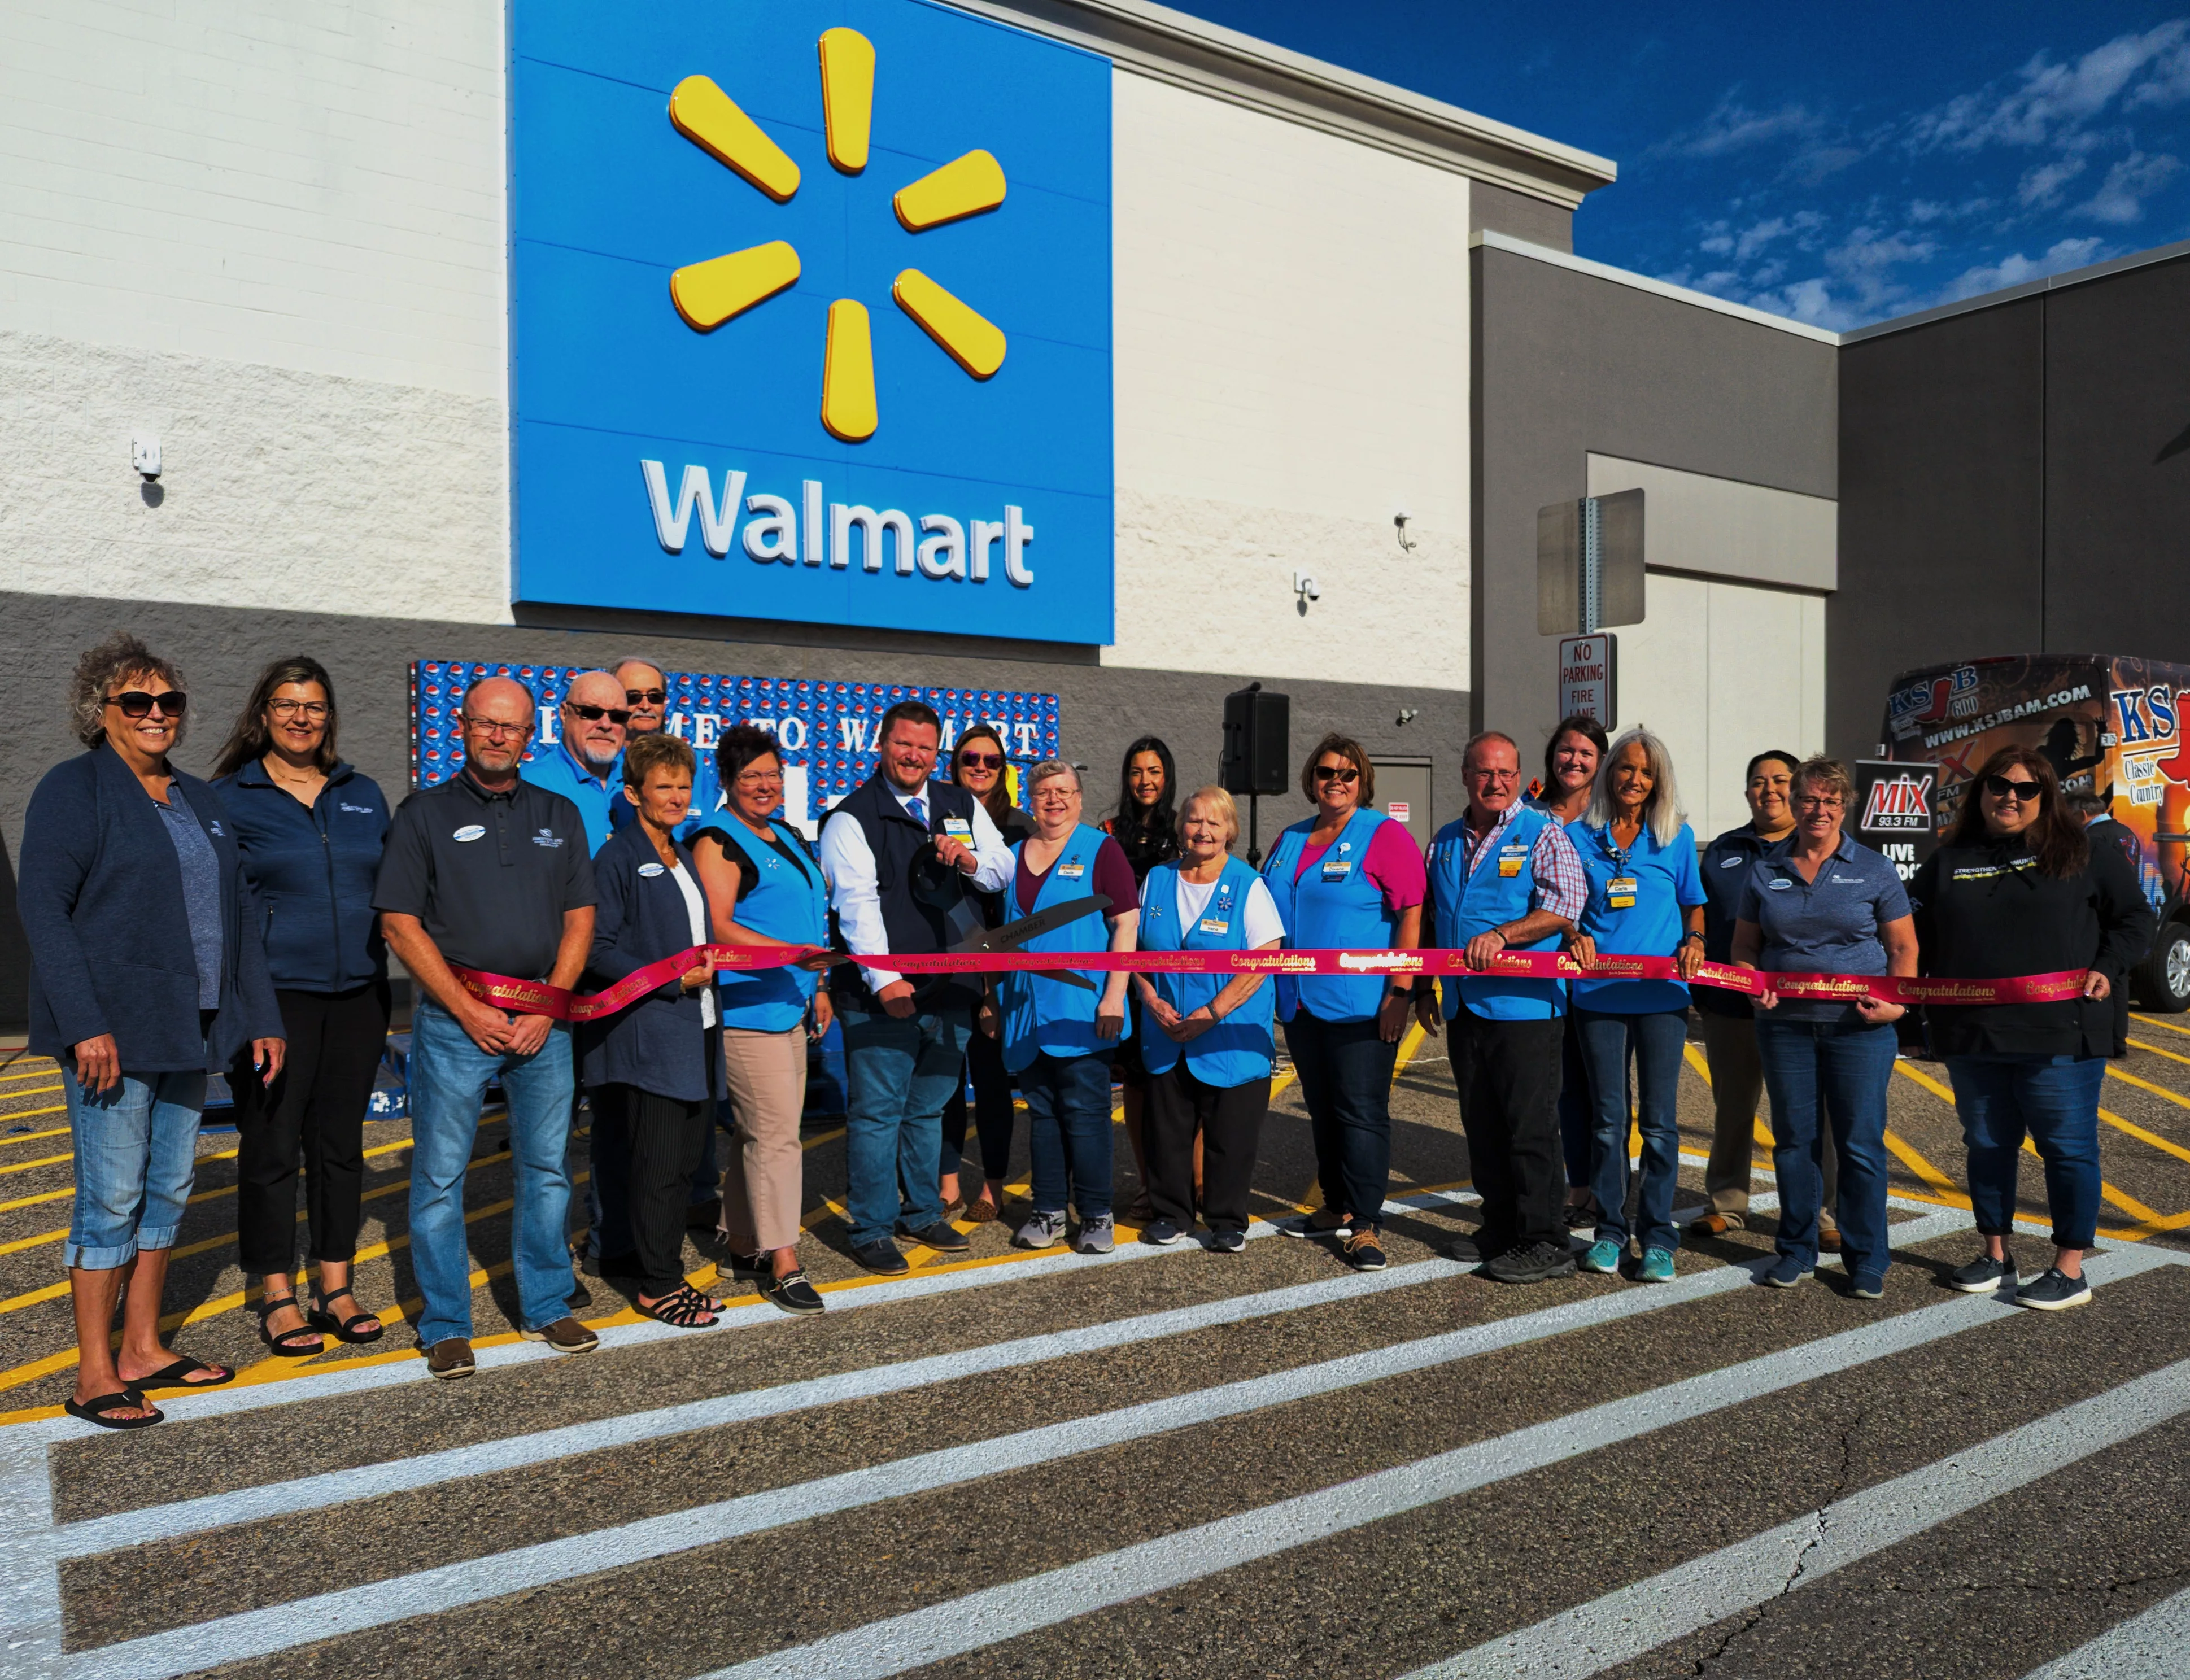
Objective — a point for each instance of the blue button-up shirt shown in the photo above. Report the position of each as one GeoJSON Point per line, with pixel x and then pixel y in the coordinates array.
{"type": "Point", "coordinates": [557, 769]}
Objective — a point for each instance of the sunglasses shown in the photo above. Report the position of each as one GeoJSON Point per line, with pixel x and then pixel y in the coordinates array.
{"type": "Point", "coordinates": [594, 714]}
{"type": "Point", "coordinates": [136, 703]}
{"type": "Point", "coordinates": [2001, 788]}
{"type": "Point", "coordinates": [651, 696]}
{"type": "Point", "coordinates": [1325, 773]}
{"type": "Point", "coordinates": [981, 761]}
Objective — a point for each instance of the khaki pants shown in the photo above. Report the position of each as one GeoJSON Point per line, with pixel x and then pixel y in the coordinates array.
{"type": "Point", "coordinates": [1736, 1079]}
{"type": "Point", "coordinates": [765, 1171]}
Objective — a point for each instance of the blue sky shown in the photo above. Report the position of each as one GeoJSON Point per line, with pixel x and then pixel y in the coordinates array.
{"type": "Point", "coordinates": [1840, 164]}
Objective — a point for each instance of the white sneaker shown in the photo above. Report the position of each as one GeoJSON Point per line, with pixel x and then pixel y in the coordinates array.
{"type": "Point", "coordinates": [1041, 1230]}
{"type": "Point", "coordinates": [1096, 1235]}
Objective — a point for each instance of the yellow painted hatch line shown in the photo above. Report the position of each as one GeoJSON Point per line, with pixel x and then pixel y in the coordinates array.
{"type": "Point", "coordinates": [2142, 1135]}
{"type": "Point", "coordinates": [2174, 1097]}
{"type": "Point", "coordinates": [30, 1136]}
{"type": "Point", "coordinates": [2154, 1021]}
{"type": "Point", "coordinates": [2153, 1049]}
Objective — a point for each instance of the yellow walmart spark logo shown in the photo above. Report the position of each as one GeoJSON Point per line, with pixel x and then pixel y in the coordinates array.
{"type": "Point", "coordinates": [707, 294]}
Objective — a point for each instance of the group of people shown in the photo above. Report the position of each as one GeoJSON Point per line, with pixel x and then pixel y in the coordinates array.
{"type": "Point", "coordinates": [180, 928]}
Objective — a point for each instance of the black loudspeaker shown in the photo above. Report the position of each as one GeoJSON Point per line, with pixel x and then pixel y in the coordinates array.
{"type": "Point", "coordinates": [1257, 756]}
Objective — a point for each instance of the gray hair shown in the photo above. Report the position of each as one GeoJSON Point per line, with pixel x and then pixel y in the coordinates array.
{"type": "Point", "coordinates": [1049, 770]}
{"type": "Point", "coordinates": [651, 664]}
{"type": "Point", "coordinates": [1662, 811]}
{"type": "Point", "coordinates": [114, 660]}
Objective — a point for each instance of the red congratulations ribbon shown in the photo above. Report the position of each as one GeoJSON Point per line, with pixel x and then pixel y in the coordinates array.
{"type": "Point", "coordinates": [536, 998]}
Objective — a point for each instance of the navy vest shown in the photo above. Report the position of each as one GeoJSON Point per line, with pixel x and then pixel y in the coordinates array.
{"type": "Point", "coordinates": [934, 919]}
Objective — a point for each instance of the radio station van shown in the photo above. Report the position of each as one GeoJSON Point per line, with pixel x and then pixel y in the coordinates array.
{"type": "Point", "coordinates": [2107, 724]}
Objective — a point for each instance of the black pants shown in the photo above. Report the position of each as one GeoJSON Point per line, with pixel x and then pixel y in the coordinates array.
{"type": "Point", "coordinates": [1230, 1121]}
{"type": "Point", "coordinates": [992, 1110]}
{"type": "Point", "coordinates": [1346, 1080]}
{"type": "Point", "coordinates": [1508, 1076]}
{"type": "Point", "coordinates": [664, 1136]}
{"type": "Point", "coordinates": [314, 1114]}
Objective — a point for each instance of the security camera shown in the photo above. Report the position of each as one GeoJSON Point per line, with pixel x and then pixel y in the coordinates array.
{"type": "Point", "coordinates": [1306, 587]}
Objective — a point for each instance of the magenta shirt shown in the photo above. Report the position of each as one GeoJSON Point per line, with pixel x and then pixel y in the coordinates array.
{"type": "Point", "coordinates": [1393, 863]}
{"type": "Point", "coordinates": [1114, 879]}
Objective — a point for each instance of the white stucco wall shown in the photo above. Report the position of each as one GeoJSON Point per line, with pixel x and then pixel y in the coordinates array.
{"type": "Point", "coordinates": [272, 232]}
{"type": "Point", "coordinates": [1291, 368]}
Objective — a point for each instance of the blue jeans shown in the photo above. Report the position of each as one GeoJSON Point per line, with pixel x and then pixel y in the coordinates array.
{"type": "Point", "coordinates": [1068, 1100]}
{"type": "Point", "coordinates": [1843, 1068]}
{"type": "Point", "coordinates": [136, 1150]}
{"type": "Point", "coordinates": [1658, 1037]}
{"type": "Point", "coordinates": [900, 1074]}
{"type": "Point", "coordinates": [449, 1078]}
{"type": "Point", "coordinates": [2055, 1099]}
{"type": "Point", "coordinates": [1345, 1070]}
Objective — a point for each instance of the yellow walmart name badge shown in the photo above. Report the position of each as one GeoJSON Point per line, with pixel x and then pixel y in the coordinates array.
{"type": "Point", "coordinates": [1211, 925]}
{"type": "Point", "coordinates": [959, 830]}
{"type": "Point", "coordinates": [1510, 859]}
{"type": "Point", "coordinates": [1620, 892]}
{"type": "Point", "coordinates": [1070, 872]}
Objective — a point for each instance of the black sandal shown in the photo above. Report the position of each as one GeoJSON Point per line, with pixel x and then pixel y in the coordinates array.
{"type": "Point", "coordinates": [283, 1346]}
{"type": "Point", "coordinates": [343, 1330]}
{"type": "Point", "coordinates": [685, 1309]}
{"type": "Point", "coordinates": [94, 1411]}
{"type": "Point", "coordinates": [178, 1372]}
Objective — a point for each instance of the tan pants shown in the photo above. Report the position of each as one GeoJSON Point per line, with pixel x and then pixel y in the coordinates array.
{"type": "Point", "coordinates": [1736, 1079]}
{"type": "Point", "coordinates": [765, 1171]}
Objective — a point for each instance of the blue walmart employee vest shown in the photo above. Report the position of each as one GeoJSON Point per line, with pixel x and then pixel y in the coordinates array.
{"type": "Point", "coordinates": [1046, 1017]}
{"type": "Point", "coordinates": [1488, 898]}
{"type": "Point", "coordinates": [1241, 1047]}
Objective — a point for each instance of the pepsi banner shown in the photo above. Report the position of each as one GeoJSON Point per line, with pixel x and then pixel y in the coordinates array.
{"type": "Point", "coordinates": [826, 733]}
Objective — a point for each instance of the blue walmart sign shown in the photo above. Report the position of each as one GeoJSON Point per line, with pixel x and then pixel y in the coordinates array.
{"type": "Point", "coordinates": [810, 316]}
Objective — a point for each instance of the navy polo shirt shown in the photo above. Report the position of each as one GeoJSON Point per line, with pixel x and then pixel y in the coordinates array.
{"type": "Point", "coordinates": [1725, 869]}
{"type": "Point", "coordinates": [489, 874]}
{"type": "Point", "coordinates": [1828, 925]}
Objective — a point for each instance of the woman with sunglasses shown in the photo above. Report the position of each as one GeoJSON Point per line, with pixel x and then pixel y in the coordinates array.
{"type": "Point", "coordinates": [146, 972]}
{"type": "Point", "coordinates": [764, 886]}
{"type": "Point", "coordinates": [977, 764]}
{"type": "Point", "coordinates": [1818, 903]}
{"type": "Point", "coordinates": [2017, 887]}
{"type": "Point", "coordinates": [312, 830]}
{"type": "Point", "coordinates": [1146, 828]}
{"type": "Point", "coordinates": [1347, 877]}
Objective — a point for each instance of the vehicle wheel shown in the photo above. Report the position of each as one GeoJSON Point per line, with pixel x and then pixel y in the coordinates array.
{"type": "Point", "coordinates": [2163, 979]}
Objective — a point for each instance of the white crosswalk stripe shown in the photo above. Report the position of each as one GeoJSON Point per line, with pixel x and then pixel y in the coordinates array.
{"type": "Point", "coordinates": [2154, 1645]}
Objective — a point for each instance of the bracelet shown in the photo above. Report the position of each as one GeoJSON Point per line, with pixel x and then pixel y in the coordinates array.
{"type": "Point", "coordinates": [1685, 937]}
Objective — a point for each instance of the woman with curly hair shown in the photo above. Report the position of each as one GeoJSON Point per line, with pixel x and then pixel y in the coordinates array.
{"type": "Point", "coordinates": [146, 974]}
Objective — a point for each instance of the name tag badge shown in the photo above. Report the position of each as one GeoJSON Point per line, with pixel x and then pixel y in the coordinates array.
{"type": "Point", "coordinates": [1211, 925]}
{"type": "Point", "coordinates": [1509, 867]}
{"type": "Point", "coordinates": [1732, 863]}
{"type": "Point", "coordinates": [1780, 883]}
{"type": "Point", "coordinates": [470, 831]}
{"type": "Point", "coordinates": [959, 829]}
{"type": "Point", "coordinates": [1070, 872]}
{"type": "Point", "coordinates": [1336, 869]}
{"type": "Point", "coordinates": [1620, 892]}
{"type": "Point", "coordinates": [650, 869]}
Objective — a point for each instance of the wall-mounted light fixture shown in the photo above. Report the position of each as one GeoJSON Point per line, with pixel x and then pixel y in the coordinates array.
{"type": "Point", "coordinates": [144, 453]}
{"type": "Point", "coordinates": [1306, 587]}
{"type": "Point", "coordinates": [1399, 518]}
{"type": "Point", "coordinates": [1408, 715]}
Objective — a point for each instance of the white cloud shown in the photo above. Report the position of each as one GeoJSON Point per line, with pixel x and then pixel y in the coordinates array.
{"type": "Point", "coordinates": [2015, 269]}
{"type": "Point", "coordinates": [1733, 127]}
{"type": "Point", "coordinates": [2041, 186]}
{"type": "Point", "coordinates": [2120, 197]}
{"type": "Point", "coordinates": [2046, 100]}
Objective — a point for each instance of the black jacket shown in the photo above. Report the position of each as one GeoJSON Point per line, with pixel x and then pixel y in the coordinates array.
{"type": "Point", "coordinates": [1985, 912]}
{"type": "Point", "coordinates": [660, 1042]}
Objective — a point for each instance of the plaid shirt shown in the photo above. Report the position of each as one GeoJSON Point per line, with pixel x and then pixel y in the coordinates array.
{"type": "Point", "coordinates": [1560, 888]}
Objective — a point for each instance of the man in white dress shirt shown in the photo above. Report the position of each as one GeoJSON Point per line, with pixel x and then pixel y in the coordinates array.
{"type": "Point", "coordinates": [900, 852]}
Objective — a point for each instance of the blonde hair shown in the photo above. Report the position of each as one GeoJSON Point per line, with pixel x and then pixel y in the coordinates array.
{"type": "Point", "coordinates": [1219, 804]}
{"type": "Point", "coordinates": [1661, 812]}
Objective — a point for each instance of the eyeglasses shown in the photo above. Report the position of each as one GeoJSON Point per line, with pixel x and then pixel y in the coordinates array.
{"type": "Point", "coordinates": [1496, 775]}
{"type": "Point", "coordinates": [594, 714]}
{"type": "Point", "coordinates": [136, 703]}
{"type": "Point", "coordinates": [2001, 788]}
{"type": "Point", "coordinates": [651, 696]}
{"type": "Point", "coordinates": [314, 709]}
{"type": "Point", "coordinates": [495, 731]}
{"type": "Point", "coordinates": [1057, 796]}
{"type": "Point", "coordinates": [757, 778]}
{"type": "Point", "coordinates": [981, 761]}
{"type": "Point", "coordinates": [1818, 802]}
{"type": "Point", "coordinates": [1344, 776]}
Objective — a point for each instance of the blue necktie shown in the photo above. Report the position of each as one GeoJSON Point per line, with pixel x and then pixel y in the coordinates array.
{"type": "Point", "coordinates": [919, 809]}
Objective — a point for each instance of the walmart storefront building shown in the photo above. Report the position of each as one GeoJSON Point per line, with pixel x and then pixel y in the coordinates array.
{"type": "Point", "coordinates": [1041, 354]}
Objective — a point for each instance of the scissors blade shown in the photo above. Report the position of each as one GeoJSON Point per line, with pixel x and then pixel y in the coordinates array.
{"type": "Point", "coordinates": [1013, 934]}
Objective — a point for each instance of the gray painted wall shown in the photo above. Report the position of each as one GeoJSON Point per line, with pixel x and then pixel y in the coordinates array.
{"type": "Point", "coordinates": [222, 649]}
{"type": "Point", "coordinates": [1568, 363]}
{"type": "Point", "coordinates": [2015, 479]}
{"type": "Point", "coordinates": [1534, 219]}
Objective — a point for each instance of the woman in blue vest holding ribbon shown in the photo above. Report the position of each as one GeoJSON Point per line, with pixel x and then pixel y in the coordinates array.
{"type": "Point", "coordinates": [1057, 1038]}
{"type": "Point", "coordinates": [1207, 1039]}
{"type": "Point", "coordinates": [764, 887]}
{"type": "Point", "coordinates": [1646, 899]}
{"type": "Point", "coordinates": [1346, 877]}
